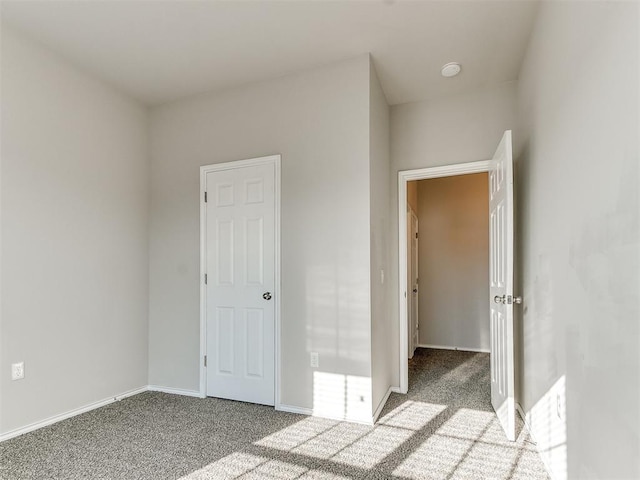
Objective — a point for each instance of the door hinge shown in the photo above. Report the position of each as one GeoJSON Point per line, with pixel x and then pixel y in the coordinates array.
{"type": "Point", "coordinates": [205, 360]}
{"type": "Point", "coordinates": [205, 197]}
{"type": "Point", "coordinates": [205, 278]}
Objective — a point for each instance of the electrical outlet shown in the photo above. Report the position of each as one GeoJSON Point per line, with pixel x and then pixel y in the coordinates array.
{"type": "Point", "coordinates": [315, 360]}
{"type": "Point", "coordinates": [17, 371]}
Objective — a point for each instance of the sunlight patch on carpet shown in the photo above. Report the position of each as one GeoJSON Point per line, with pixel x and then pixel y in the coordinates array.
{"type": "Point", "coordinates": [239, 465]}
{"type": "Point", "coordinates": [468, 424]}
{"type": "Point", "coordinates": [434, 459]}
{"type": "Point", "coordinates": [295, 435]}
{"type": "Point", "coordinates": [373, 447]}
{"type": "Point", "coordinates": [412, 415]}
{"type": "Point", "coordinates": [331, 442]}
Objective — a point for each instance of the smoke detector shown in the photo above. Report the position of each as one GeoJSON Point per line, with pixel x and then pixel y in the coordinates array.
{"type": "Point", "coordinates": [451, 69]}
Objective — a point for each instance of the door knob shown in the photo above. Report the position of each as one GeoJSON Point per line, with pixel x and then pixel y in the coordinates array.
{"type": "Point", "coordinates": [507, 299]}
{"type": "Point", "coordinates": [266, 295]}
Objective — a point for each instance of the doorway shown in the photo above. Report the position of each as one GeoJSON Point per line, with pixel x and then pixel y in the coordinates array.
{"type": "Point", "coordinates": [404, 178]}
{"type": "Point", "coordinates": [413, 279]}
{"type": "Point", "coordinates": [239, 251]}
{"type": "Point", "coordinates": [501, 266]}
{"type": "Point", "coordinates": [451, 289]}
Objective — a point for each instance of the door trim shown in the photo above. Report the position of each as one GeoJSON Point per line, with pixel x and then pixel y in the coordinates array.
{"type": "Point", "coordinates": [410, 345]}
{"type": "Point", "coordinates": [405, 176]}
{"type": "Point", "coordinates": [274, 160]}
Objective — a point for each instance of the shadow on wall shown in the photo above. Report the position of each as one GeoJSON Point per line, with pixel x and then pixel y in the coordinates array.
{"type": "Point", "coordinates": [547, 418]}
{"type": "Point", "coordinates": [338, 329]}
{"type": "Point", "coordinates": [342, 397]}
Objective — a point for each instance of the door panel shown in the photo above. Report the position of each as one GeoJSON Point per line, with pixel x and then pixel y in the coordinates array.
{"type": "Point", "coordinates": [224, 339]}
{"type": "Point", "coordinates": [254, 253]}
{"type": "Point", "coordinates": [224, 252]}
{"type": "Point", "coordinates": [254, 343]}
{"type": "Point", "coordinates": [501, 285]}
{"type": "Point", "coordinates": [240, 256]}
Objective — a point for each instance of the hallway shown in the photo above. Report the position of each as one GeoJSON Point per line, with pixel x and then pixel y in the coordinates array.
{"type": "Point", "coordinates": [465, 439]}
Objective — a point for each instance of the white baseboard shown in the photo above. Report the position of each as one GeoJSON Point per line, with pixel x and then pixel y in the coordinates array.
{"type": "Point", "coordinates": [524, 418]}
{"type": "Point", "coordinates": [381, 405]}
{"type": "Point", "coordinates": [178, 391]}
{"type": "Point", "coordinates": [343, 418]}
{"type": "Point", "coordinates": [460, 349]}
{"type": "Point", "coordinates": [175, 391]}
{"type": "Point", "coordinates": [92, 406]}
{"type": "Point", "coordinates": [527, 425]}
{"type": "Point", "coordinates": [291, 409]}
{"type": "Point", "coordinates": [71, 413]}
{"type": "Point", "coordinates": [310, 413]}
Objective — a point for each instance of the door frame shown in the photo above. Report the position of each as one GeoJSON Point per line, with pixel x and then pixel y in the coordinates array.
{"type": "Point", "coordinates": [412, 213]}
{"type": "Point", "coordinates": [274, 160]}
{"type": "Point", "coordinates": [405, 176]}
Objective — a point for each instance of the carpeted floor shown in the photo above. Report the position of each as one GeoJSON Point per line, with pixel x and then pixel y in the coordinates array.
{"type": "Point", "coordinates": [443, 429]}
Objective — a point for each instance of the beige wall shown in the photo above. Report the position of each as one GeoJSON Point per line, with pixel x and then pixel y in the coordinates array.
{"type": "Point", "coordinates": [579, 245]}
{"type": "Point", "coordinates": [412, 195]}
{"type": "Point", "coordinates": [458, 129]}
{"type": "Point", "coordinates": [382, 363]}
{"type": "Point", "coordinates": [74, 237]}
{"type": "Point", "coordinates": [319, 121]}
{"type": "Point", "coordinates": [453, 256]}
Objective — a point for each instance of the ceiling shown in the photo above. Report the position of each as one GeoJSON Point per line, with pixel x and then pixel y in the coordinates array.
{"type": "Point", "coordinates": [158, 51]}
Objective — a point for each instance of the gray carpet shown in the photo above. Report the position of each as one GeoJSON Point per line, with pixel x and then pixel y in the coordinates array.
{"type": "Point", "coordinates": [443, 429]}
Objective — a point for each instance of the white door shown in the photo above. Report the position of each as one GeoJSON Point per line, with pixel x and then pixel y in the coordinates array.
{"type": "Point", "coordinates": [413, 282]}
{"type": "Point", "coordinates": [501, 285]}
{"type": "Point", "coordinates": [240, 283]}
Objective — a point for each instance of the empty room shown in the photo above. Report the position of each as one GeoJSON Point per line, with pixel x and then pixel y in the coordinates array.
{"type": "Point", "coordinates": [319, 240]}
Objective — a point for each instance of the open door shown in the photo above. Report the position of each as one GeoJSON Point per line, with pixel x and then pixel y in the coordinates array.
{"type": "Point", "coordinates": [412, 280]}
{"type": "Point", "coordinates": [501, 285]}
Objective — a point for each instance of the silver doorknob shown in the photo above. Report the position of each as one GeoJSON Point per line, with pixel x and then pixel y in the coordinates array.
{"type": "Point", "coordinates": [266, 295]}
{"type": "Point", "coordinates": [507, 299]}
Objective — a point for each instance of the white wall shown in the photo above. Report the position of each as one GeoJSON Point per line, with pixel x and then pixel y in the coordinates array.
{"type": "Point", "coordinates": [319, 121]}
{"type": "Point", "coordinates": [445, 131]}
{"type": "Point", "coordinates": [74, 237]}
{"type": "Point", "coordinates": [579, 239]}
{"type": "Point", "coordinates": [453, 262]}
{"type": "Point", "coordinates": [382, 363]}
